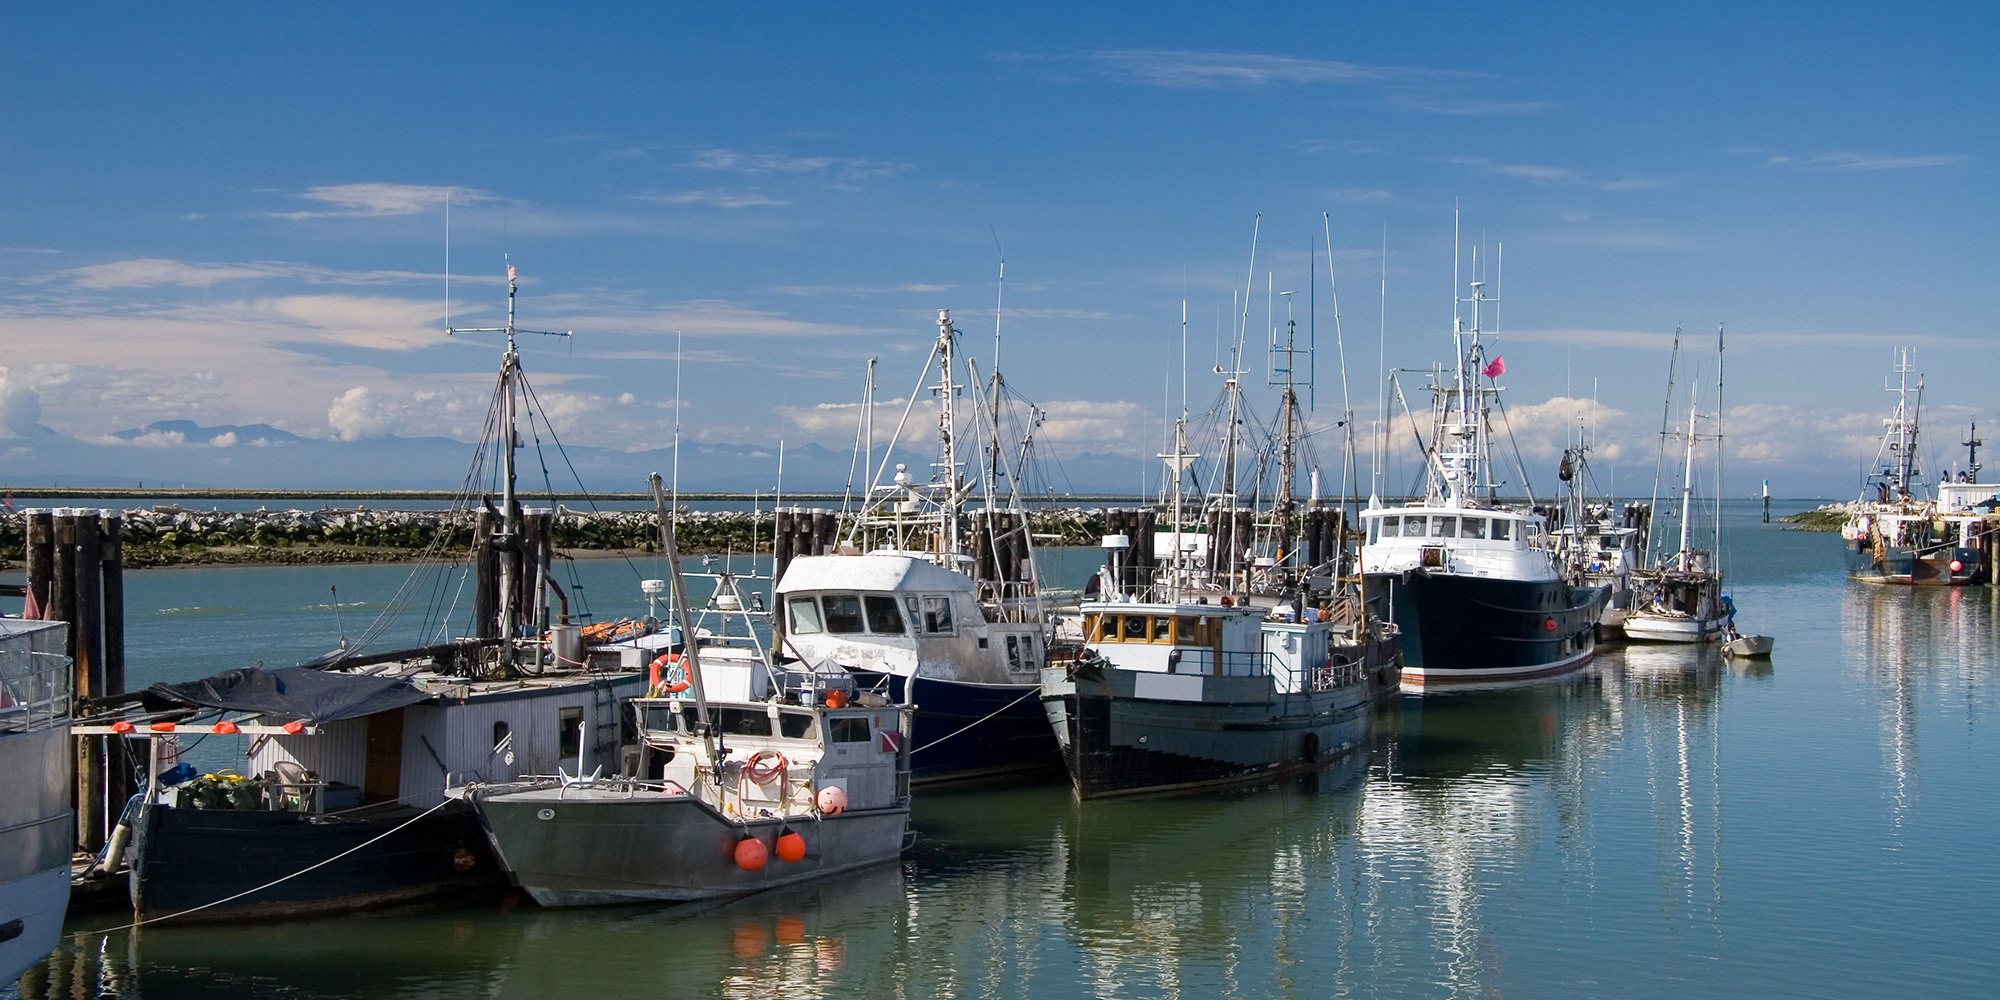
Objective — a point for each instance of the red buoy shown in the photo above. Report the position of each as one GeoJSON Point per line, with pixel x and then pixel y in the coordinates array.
{"type": "Point", "coordinates": [791, 848]}
{"type": "Point", "coordinates": [751, 855]}
{"type": "Point", "coordinates": [1548, 625]}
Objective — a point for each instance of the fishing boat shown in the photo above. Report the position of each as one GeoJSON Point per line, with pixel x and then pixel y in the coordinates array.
{"type": "Point", "coordinates": [1680, 597]}
{"type": "Point", "coordinates": [1475, 585]}
{"type": "Point", "coordinates": [1894, 532]}
{"type": "Point", "coordinates": [932, 601]}
{"type": "Point", "coordinates": [1202, 658]}
{"type": "Point", "coordinates": [781, 778]}
{"type": "Point", "coordinates": [35, 816]}
{"type": "Point", "coordinates": [339, 803]}
{"type": "Point", "coordinates": [1603, 543]}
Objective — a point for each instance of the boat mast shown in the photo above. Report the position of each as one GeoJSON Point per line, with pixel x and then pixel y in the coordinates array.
{"type": "Point", "coordinates": [947, 391]}
{"type": "Point", "coordinates": [510, 584]}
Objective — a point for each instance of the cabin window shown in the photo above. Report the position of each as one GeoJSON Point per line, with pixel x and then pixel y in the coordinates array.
{"type": "Point", "coordinates": [500, 733]}
{"type": "Point", "coordinates": [1475, 527]}
{"type": "Point", "coordinates": [1501, 529]}
{"type": "Point", "coordinates": [1163, 629]}
{"type": "Point", "coordinates": [849, 729]}
{"type": "Point", "coordinates": [1444, 527]}
{"type": "Point", "coordinates": [569, 731]}
{"type": "Point", "coordinates": [795, 725]}
{"type": "Point", "coordinates": [937, 614]}
{"type": "Point", "coordinates": [743, 722]}
{"type": "Point", "coordinates": [1391, 526]}
{"type": "Point", "coordinates": [883, 618]}
{"type": "Point", "coordinates": [1013, 652]}
{"type": "Point", "coordinates": [843, 613]}
{"type": "Point", "coordinates": [1374, 530]}
{"type": "Point", "coordinates": [802, 613]}
{"type": "Point", "coordinates": [1134, 628]}
{"type": "Point", "coordinates": [1093, 624]}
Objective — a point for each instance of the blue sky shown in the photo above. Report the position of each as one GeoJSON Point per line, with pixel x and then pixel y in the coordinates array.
{"type": "Point", "coordinates": [235, 214]}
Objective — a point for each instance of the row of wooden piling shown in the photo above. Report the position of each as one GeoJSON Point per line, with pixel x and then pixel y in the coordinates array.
{"type": "Point", "coordinates": [76, 574]}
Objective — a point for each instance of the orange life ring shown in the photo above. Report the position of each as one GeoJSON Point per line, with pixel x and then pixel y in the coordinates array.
{"type": "Point", "coordinates": [677, 678]}
{"type": "Point", "coordinates": [764, 766]}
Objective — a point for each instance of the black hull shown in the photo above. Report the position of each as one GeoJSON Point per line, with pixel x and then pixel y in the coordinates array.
{"type": "Point", "coordinates": [963, 732]}
{"type": "Point", "coordinates": [184, 859]}
{"type": "Point", "coordinates": [1899, 564]}
{"type": "Point", "coordinates": [1478, 630]}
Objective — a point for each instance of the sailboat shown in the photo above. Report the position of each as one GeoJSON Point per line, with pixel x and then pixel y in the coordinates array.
{"type": "Point", "coordinates": [1475, 585]}
{"type": "Point", "coordinates": [924, 615]}
{"type": "Point", "coordinates": [340, 803]}
{"type": "Point", "coordinates": [780, 779]}
{"type": "Point", "coordinates": [1205, 660]}
{"type": "Point", "coordinates": [1894, 533]}
{"type": "Point", "coordinates": [1680, 598]}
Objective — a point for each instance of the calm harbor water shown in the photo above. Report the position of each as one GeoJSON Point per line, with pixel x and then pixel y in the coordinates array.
{"type": "Point", "coordinates": [1664, 824]}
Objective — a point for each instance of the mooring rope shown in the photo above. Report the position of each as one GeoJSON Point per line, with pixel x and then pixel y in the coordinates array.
{"type": "Point", "coordinates": [287, 878]}
{"type": "Point", "coordinates": [1032, 693]}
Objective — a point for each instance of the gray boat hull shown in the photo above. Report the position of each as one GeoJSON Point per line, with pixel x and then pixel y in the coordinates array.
{"type": "Point", "coordinates": [614, 842]}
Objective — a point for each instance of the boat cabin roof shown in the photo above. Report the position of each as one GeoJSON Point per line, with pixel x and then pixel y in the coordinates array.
{"type": "Point", "coordinates": [871, 571]}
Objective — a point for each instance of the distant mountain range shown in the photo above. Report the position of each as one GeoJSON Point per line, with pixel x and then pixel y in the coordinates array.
{"type": "Point", "coordinates": [182, 453]}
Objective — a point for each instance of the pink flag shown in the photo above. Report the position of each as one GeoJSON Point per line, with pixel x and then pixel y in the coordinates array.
{"type": "Point", "coordinates": [1496, 369]}
{"type": "Point", "coordinates": [510, 275]}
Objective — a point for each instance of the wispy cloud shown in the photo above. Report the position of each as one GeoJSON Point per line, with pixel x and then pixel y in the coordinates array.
{"type": "Point", "coordinates": [1350, 147]}
{"type": "Point", "coordinates": [713, 198]}
{"type": "Point", "coordinates": [155, 272]}
{"type": "Point", "coordinates": [1467, 107]}
{"type": "Point", "coordinates": [1850, 160]}
{"type": "Point", "coordinates": [371, 200]}
{"type": "Point", "coordinates": [1541, 173]}
{"type": "Point", "coordinates": [1180, 69]}
{"type": "Point", "coordinates": [841, 169]}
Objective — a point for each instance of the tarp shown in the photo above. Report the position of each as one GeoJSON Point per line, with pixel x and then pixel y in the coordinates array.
{"type": "Point", "coordinates": [291, 693]}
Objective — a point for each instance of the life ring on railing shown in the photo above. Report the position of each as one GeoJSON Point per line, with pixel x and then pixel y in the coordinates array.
{"type": "Point", "coordinates": [764, 766]}
{"type": "Point", "coordinates": [676, 679]}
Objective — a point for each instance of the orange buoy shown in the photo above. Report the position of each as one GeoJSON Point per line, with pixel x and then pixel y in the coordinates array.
{"type": "Point", "coordinates": [121, 727]}
{"type": "Point", "coordinates": [295, 727]}
{"type": "Point", "coordinates": [791, 847]}
{"type": "Point", "coordinates": [836, 699]}
{"type": "Point", "coordinates": [751, 855]}
{"type": "Point", "coordinates": [225, 728]}
{"type": "Point", "coordinates": [832, 800]}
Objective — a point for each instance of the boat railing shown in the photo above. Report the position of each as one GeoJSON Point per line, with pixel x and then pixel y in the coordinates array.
{"type": "Point", "coordinates": [1232, 663]}
{"type": "Point", "coordinates": [34, 689]}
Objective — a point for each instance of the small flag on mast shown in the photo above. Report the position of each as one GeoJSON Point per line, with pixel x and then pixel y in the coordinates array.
{"type": "Point", "coordinates": [510, 276]}
{"type": "Point", "coordinates": [1496, 369]}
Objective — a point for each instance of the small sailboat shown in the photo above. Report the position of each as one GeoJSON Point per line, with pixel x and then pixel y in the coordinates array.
{"type": "Point", "coordinates": [780, 779]}
{"type": "Point", "coordinates": [1680, 597]}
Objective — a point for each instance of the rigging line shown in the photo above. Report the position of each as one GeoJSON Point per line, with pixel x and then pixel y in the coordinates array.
{"type": "Point", "coordinates": [267, 885]}
{"type": "Point", "coordinates": [1031, 693]}
{"type": "Point", "coordinates": [571, 466]}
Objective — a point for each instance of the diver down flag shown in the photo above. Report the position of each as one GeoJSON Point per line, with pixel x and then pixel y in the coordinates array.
{"type": "Point", "coordinates": [888, 741]}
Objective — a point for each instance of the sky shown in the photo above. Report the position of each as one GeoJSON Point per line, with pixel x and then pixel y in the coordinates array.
{"type": "Point", "coordinates": [245, 214]}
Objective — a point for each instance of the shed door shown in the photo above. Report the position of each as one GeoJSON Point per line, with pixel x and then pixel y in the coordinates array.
{"type": "Point", "coordinates": [385, 757]}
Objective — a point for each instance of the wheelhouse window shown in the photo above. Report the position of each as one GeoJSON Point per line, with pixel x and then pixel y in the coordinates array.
{"type": "Point", "coordinates": [843, 613]}
{"type": "Point", "coordinates": [795, 725]}
{"type": "Point", "coordinates": [937, 615]}
{"type": "Point", "coordinates": [1391, 526]}
{"type": "Point", "coordinates": [802, 616]}
{"type": "Point", "coordinates": [883, 617]}
{"type": "Point", "coordinates": [1473, 527]}
{"type": "Point", "coordinates": [1443, 526]}
{"type": "Point", "coordinates": [1134, 627]}
{"type": "Point", "coordinates": [1501, 529]}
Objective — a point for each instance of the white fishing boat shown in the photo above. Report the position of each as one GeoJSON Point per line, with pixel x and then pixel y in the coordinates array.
{"type": "Point", "coordinates": [1894, 532]}
{"type": "Point", "coordinates": [932, 598]}
{"type": "Point", "coordinates": [742, 780]}
{"type": "Point", "coordinates": [1475, 585]}
{"type": "Point", "coordinates": [36, 822]}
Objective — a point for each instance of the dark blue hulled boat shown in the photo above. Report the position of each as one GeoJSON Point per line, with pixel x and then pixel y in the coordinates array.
{"type": "Point", "coordinates": [1477, 588]}
{"type": "Point", "coordinates": [931, 602]}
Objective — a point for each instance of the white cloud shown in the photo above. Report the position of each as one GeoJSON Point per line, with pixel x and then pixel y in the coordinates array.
{"type": "Point", "coordinates": [715, 198]}
{"type": "Point", "coordinates": [360, 414]}
{"type": "Point", "coordinates": [20, 408]}
{"type": "Point", "coordinates": [374, 200]}
{"type": "Point", "coordinates": [848, 170]}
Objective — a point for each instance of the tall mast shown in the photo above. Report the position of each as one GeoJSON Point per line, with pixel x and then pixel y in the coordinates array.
{"type": "Point", "coordinates": [947, 390]}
